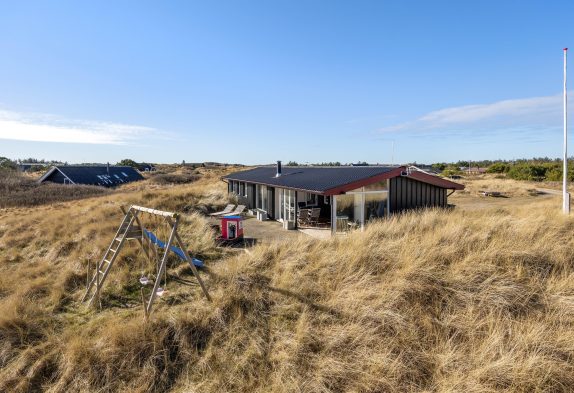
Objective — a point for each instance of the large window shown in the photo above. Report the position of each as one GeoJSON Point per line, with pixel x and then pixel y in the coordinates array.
{"type": "Point", "coordinates": [286, 204]}
{"type": "Point", "coordinates": [348, 212]}
{"type": "Point", "coordinates": [361, 206]}
{"type": "Point", "coordinates": [375, 205]}
{"type": "Point", "coordinates": [261, 197]}
{"type": "Point", "coordinates": [306, 199]}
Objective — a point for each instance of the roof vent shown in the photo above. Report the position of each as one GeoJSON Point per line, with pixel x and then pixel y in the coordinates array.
{"type": "Point", "coordinates": [278, 169]}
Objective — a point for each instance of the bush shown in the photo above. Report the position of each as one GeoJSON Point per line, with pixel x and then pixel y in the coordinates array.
{"type": "Point", "coordinates": [128, 162]}
{"type": "Point", "coordinates": [535, 172]}
{"type": "Point", "coordinates": [549, 171]}
{"type": "Point", "coordinates": [6, 163]}
{"type": "Point", "coordinates": [499, 167]}
{"type": "Point", "coordinates": [173, 178]}
{"type": "Point", "coordinates": [451, 170]}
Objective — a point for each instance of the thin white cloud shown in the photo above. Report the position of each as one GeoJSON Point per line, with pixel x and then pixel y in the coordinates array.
{"type": "Point", "coordinates": [533, 113]}
{"type": "Point", "coordinates": [50, 128]}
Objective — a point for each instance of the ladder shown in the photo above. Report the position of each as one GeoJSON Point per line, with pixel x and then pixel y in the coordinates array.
{"type": "Point", "coordinates": [126, 230]}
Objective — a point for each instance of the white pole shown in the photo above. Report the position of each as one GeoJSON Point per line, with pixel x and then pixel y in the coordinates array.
{"type": "Point", "coordinates": [565, 195]}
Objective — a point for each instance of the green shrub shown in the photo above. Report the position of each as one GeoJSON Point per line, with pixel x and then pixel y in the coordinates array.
{"type": "Point", "coordinates": [498, 167]}
{"type": "Point", "coordinates": [535, 172]}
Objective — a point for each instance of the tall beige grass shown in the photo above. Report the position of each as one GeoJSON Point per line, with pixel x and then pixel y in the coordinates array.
{"type": "Point", "coordinates": [478, 301]}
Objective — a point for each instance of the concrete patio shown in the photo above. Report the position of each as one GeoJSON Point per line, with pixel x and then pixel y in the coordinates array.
{"type": "Point", "coordinates": [271, 231]}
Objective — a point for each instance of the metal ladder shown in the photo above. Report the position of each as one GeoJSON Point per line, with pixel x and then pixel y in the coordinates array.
{"type": "Point", "coordinates": [124, 232]}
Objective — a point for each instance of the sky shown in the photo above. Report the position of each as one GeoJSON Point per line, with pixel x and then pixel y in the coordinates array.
{"type": "Point", "coordinates": [258, 81]}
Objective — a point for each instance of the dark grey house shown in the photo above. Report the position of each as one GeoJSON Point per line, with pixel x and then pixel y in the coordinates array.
{"type": "Point", "coordinates": [145, 167]}
{"type": "Point", "coordinates": [107, 176]}
{"type": "Point", "coordinates": [342, 197]}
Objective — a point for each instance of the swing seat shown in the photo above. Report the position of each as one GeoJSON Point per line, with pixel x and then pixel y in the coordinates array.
{"type": "Point", "coordinates": [144, 280]}
{"type": "Point", "coordinates": [160, 292]}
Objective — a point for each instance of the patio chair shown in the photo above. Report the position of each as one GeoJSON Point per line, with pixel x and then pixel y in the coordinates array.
{"type": "Point", "coordinates": [303, 216]}
{"type": "Point", "coordinates": [228, 209]}
{"type": "Point", "coordinates": [314, 216]}
{"type": "Point", "coordinates": [238, 210]}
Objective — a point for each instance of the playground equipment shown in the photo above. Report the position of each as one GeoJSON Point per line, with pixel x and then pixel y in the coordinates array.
{"type": "Point", "coordinates": [131, 228]}
{"type": "Point", "coordinates": [231, 228]}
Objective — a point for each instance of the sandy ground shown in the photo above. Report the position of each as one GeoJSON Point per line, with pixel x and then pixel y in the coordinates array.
{"type": "Point", "coordinates": [476, 202]}
{"type": "Point", "coordinates": [269, 231]}
{"type": "Point", "coordinates": [514, 193]}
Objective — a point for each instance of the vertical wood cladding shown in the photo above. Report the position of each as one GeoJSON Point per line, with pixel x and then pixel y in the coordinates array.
{"type": "Point", "coordinates": [271, 202]}
{"type": "Point", "coordinates": [250, 195]}
{"type": "Point", "coordinates": [406, 193]}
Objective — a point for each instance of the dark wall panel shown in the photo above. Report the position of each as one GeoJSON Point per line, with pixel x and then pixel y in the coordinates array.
{"type": "Point", "coordinates": [406, 193]}
{"type": "Point", "coordinates": [419, 193]}
{"type": "Point", "coordinates": [271, 202]}
{"type": "Point", "coordinates": [56, 177]}
{"type": "Point", "coordinates": [393, 194]}
{"type": "Point", "coordinates": [250, 195]}
{"type": "Point", "coordinates": [410, 194]}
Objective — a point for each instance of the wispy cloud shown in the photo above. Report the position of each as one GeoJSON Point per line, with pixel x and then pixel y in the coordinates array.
{"type": "Point", "coordinates": [51, 128]}
{"type": "Point", "coordinates": [527, 114]}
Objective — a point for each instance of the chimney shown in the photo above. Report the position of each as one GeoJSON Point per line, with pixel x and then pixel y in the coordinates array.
{"type": "Point", "coordinates": [278, 169]}
{"type": "Point", "coordinates": [108, 167]}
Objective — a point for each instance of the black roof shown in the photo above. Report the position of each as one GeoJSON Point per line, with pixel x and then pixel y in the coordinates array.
{"type": "Point", "coordinates": [314, 179]}
{"type": "Point", "coordinates": [96, 175]}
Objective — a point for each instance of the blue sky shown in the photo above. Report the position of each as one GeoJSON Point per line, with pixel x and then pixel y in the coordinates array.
{"type": "Point", "coordinates": [254, 82]}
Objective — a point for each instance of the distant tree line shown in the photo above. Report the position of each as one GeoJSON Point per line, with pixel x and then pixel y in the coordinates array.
{"type": "Point", "coordinates": [538, 171]}
{"type": "Point", "coordinates": [534, 169]}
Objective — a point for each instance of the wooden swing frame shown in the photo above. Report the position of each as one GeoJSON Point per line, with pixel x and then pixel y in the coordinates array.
{"type": "Point", "coordinates": [132, 228]}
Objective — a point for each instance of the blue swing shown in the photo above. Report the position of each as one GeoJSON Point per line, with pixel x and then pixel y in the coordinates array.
{"type": "Point", "coordinates": [153, 238]}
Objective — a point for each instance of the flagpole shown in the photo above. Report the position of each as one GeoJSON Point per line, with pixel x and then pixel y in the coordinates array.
{"type": "Point", "coordinates": [565, 194]}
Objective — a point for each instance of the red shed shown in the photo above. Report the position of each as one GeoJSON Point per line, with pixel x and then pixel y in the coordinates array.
{"type": "Point", "coordinates": [231, 227]}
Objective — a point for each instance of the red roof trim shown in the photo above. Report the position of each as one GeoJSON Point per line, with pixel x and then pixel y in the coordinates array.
{"type": "Point", "coordinates": [435, 180]}
{"type": "Point", "coordinates": [364, 182]}
{"type": "Point", "coordinates": [415, 175]}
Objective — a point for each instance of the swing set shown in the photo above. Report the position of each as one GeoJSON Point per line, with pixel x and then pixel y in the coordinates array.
{"type": "Point", "coordinates": [156, 250]}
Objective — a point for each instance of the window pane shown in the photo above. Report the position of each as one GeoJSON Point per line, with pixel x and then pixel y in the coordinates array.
{"type": "Point", "coordinates": [375, 206]}
{"type": "Point", "coordinates": [346, 206]}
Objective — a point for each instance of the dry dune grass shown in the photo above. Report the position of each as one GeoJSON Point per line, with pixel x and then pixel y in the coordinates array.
{"type": "Point", "coordinates": [478, 301]}
{"type": "Point", "coordinates": [18, 189]}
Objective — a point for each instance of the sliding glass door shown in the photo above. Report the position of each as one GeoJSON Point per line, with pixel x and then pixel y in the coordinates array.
{"type": "Point", "coordinates": [286, 211]}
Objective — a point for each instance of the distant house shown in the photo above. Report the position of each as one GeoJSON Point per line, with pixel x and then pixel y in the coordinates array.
{"type": "Point", "coordinates": [428, 169]}
{"type": "Point", "coordinates": [106, 176]}
{"type": "Point", "coordinates": [338, 197]}
{"type": "Point", "coordinates": [473, 170]}
{"type": "Point", "coordinates": [31, 166]}
{"type": "Point", "coordinates": [145, 167]}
